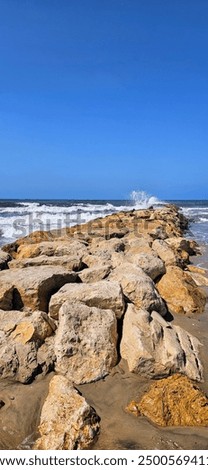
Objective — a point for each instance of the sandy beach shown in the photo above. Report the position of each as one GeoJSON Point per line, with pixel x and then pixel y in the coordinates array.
{"type": "Point", "coordinates": [22, 403]}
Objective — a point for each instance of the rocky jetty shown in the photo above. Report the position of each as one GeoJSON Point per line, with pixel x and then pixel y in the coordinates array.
{"type": "Point", "coordinates": [79, 301]}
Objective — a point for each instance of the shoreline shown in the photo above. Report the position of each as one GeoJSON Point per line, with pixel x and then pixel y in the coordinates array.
{"type": "Point", "coordinates": [111, 394]}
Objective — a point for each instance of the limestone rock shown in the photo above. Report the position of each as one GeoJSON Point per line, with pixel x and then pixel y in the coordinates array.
{"type": "Point", "coordinates": [136, 245]}
{"type": "Point", "coordinates": [151, 264]}
{"type": "Point", "coordinates": [179, 244]}
{"type": "Point", "coordinates": [180, 292]}
{"type": "Point", "coordinates": [165, 252]}
{"type": "Point", "coordinates": [31, 287]}
{"type": "Point", "coordinates": [71, 263]}
{"type": "Point", "coordinates": [6, 295]}
{"type": "Point", "coordinates": [97, 273]}
{"type": "Point", "coordinates": [174, 401]}
{"type": "Point", "coordinates": [101, 294]}
{"type": "Point", "coordinates": [21, 337]}
{"type": "Point", "coordinates": [36, 327]}
{"type": "Point", "coordinates": [199, 279]}
{"type": "Point", "coordinates": [154, 348]}
{"type": "Point", "coordinates": [4, 259]}
{"type": "Point", "coordinates": [85, 342]}
{"type": "Point", "coordinates": [67, 422]}
{"type": "Point", "coordinates": [196, 269]}
{"type": "Point", "coordinates": [53, 248]}
{"type": "Point", "coordinates": [138, 287]}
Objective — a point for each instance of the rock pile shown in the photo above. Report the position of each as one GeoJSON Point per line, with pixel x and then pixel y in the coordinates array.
{"type": "Point", "coordinates": [74, 301]}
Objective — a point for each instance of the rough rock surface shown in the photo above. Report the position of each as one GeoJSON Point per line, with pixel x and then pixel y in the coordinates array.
{"type": "Point", "coordinates": [180, 292]}
{"type": "Point", "coordinates": [97, 273]}
{"type": "Point", "coordinates": [21, 338]}
{"type": "Point", "coordinates": [138, 287]}
{"type": "Point", "coordinates": [4, 259]}
{"type": "Point", "coordinates": [154, 348]}
{"type": "Point", "coordinates": [151, 264]}
{"type": "Point", "coordinates": [67, 421]}
{"type": "Point", "coordinates": [72, 263]}
{"type": "Point", "coordinates": [46, 248]}
{"type": "Point", "coordinates": [165, 252]}
{"type": "Point", "coordinates": [31, 287]}
{"type": "Point", "coordinates": [85, 343]}
{"type": "Point", "coordinates": [102, 294]}
{"type": "Point", "coordinates": [174, 401]}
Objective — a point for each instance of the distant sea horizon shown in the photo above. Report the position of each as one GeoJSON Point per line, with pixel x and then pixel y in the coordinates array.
{"type": "Point", "coordinates": [19, 217]}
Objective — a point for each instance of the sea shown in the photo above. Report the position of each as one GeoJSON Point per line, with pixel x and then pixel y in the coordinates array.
{"type": "Point", "coordinates": [18, 217]}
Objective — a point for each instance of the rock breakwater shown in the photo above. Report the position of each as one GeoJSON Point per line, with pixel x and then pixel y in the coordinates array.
{"type": "Point", "coordinates": [79, 301]}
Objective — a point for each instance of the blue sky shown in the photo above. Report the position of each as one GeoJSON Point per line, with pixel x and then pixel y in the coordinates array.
{"type": "Point", "coordinates": [98, 98]}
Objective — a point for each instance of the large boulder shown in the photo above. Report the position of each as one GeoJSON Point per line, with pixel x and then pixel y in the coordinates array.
{"type": "Point", "coordinates": [101, 294]}
{"type": "Point", "coordinates": [67, 422]}
{"type": "Point", "coordinates": [151, 264]}
{"type": "Point", "coordinates": [174, 401]}
{"type": "Point", "coordinates": [95, 274]}
{"type": "Point", "coordinates": [31, 287]}
{"type": "Point", "coordinates": [138, 287]}
{"type": "Point", "coordinates": [71, 263]}
{"type": "Point", "coordinates": [21, 345]}
{"type": "Point", "coordinates": [154, 348]}
{"type": "Point", "coordinates": [85, 342]}
{"type": "Point", "coordinates": [50, 248]}
{"type": "Point", "coordinates": [180, 292]}
{"type": "Point", "coordinates": [180, 244]}
{"type": "Point", "coordinates": [165, 252]}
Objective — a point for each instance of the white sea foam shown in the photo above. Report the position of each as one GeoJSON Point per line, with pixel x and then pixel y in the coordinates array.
{"type": "Point", "coordinates": [20, 218]}
{"type": "Point", "coordinates": [142, 200]}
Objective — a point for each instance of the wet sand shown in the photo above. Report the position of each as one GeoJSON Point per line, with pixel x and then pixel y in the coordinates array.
{"type": "Point", "coordinates": [19, 416]}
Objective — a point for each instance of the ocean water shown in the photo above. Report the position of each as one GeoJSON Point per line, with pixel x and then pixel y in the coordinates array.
{"type": "Point", "coordinates": [18, 218]}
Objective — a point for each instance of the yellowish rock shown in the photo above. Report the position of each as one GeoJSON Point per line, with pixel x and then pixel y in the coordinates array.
{"type": "Point", "coordinates": [180, 292]}
{"type": "Point", "coordinates": [174, 401]}
{"type": "Point", "coordinates": [67, 421]}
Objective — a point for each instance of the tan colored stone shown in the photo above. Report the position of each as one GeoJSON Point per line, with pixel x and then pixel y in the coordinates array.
{"type": "Point", "coordinates": [6, 295]}
{"type": "Point", "coordinates": [67, 422]}
{"type": "Point", "coordinates": [151, 264]}
{"type": "Point", "coordinates": [159, 223]}
{"type": "Point", "coordinates": [25, 349]}
{"type": "Point", "coordinates": [174, 401]}
{"type": "Point", "coordinates": [53, 248]}
{"type": "Point", "coordinates": [36, 327]}
{"type": "Point", "coordinates": [4, 259]}
{"type": "Point", "coordinates": [180, 292]}
{"type": "Point", "coordinates": [138, 287]}
{"type": "Point", "coordinates": [154, 348]}
{"type": "Point", "coordinates": [165, 252]}
{"type": "Point", "coordinates": [199, 279]}
{"type": "Point", "coordinates": [71, 263]}
{"type": "Point", "coordinates": [179, 244]}
{"type": "Point", "coordinates": [31, 287]}
{"type": "Point", "coordinates": [95, 274]}
{"type": "Point", "coordinates": [101, 294]}
{"type": "Point", "coordinates": [196, 269]}
{"type": "Point", "coordinates": [85, 342]}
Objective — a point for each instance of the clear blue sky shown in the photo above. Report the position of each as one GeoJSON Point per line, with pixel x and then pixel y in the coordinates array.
{"type": "Point", "coordinates": [100, 97]}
